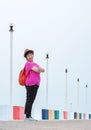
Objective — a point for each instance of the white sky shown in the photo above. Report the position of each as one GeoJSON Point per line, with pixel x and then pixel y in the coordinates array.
{"type": "Point", "coordinates": [60, 27]}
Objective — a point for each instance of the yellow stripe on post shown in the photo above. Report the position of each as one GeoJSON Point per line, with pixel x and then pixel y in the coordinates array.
{"type": "Point", "coordinates": [51, 114]}
{"type": "Point", "coordinates": [77, 115]}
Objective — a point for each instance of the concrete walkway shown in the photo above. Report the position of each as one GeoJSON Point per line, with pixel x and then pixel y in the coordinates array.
{"type": "Point", "coordinates": [46, 125]}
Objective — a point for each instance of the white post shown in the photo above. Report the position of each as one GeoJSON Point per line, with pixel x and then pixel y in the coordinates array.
{"type": "Point", "coordinates": [78, 95]}
{"type": "Point", "coordinates": [11, 61]}
{"type": "Point", "coordinates": [71, 107]}
{"type": "Point", "coordinates": [47, 57]}
{"type": "Point", "coordinates": [66, 94]}
{"type": "Point", "coordinates": [86, 98]}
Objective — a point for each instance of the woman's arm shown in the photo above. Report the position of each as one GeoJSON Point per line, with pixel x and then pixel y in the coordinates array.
{"type": "Point", "coordinates": [38, 69]}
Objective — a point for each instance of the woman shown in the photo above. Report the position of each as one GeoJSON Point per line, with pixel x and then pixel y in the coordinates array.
{"type": "Point", "coordinates": [33, 71]}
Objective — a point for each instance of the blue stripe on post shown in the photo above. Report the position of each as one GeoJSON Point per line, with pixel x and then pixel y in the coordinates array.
{"type": "Point", "coordinates": [75, 115]}
{"type": "Point", "coordinates": [89, 116]}
{"type": "Point", "coordinates": [44, 114]}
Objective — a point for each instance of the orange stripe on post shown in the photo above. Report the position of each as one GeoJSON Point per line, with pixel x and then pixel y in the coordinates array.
{"type": "Point", "coordinates": [51, 114]}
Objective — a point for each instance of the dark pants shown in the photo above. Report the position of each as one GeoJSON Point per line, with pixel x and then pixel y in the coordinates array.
{"type": "Point", "coordinates": [31, 92]}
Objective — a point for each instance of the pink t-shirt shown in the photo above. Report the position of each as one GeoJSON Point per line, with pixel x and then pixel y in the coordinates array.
{"type": "Point", "coordinates": [33, 78]}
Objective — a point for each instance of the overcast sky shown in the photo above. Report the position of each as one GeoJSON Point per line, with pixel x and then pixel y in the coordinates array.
{"type": "Point", "coordinates": [61, 28]}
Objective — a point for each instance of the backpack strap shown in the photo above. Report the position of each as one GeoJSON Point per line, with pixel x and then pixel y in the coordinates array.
{"type": "Point", "coordinates": [27, 73]}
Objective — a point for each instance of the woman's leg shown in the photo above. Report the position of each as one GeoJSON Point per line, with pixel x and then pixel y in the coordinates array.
{"type": "Point", "coordinates": [31, 92]}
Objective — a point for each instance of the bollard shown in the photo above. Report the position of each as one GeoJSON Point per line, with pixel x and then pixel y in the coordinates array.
{"type": "Point", "coordinates": [18, 113]}
{"type": "Point", "coordinates": [71, 115]}
{"type": "Point", "coordinates": [80, 115]}
{"type": "Point", "coordinates": [84, 115]}
{"type": "Point", "coordinates": [44, 114]}
{"type": "Point", "coordinates": [6, 112]}
{"type": "Point", "coordinates": [89, 116]}
{"type": "Point", "coordinates": [75, 115]}
{"type": "Point", "coordinates": [56, 114]}
{"type": "Point", "coordinates": [65, 115]}
{"type": "Point", "coordinates": [51, 114]}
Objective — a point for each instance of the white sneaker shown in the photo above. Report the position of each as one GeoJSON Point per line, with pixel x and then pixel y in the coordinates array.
{"type": "Point", "coordinates": [31, 119]}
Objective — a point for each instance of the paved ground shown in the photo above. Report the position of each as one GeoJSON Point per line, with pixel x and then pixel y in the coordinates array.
{"type": "Point", "coordinates": [46, 125]}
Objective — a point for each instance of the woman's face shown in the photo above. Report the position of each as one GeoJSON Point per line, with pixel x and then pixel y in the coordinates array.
{"type": "Point", "coordinates": [30, 56]}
